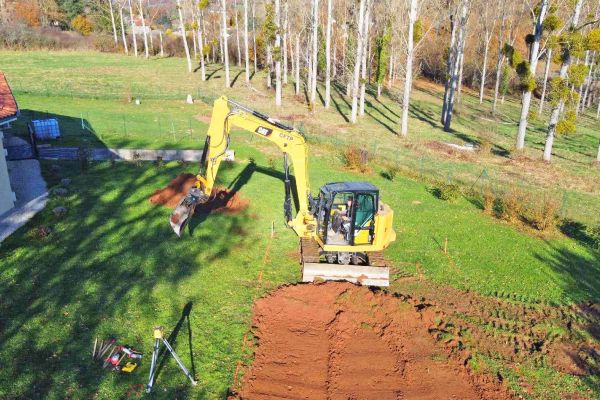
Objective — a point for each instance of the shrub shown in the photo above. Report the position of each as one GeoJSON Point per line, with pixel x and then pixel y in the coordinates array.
{"type": "Point", "coordinates": [40, 232]}
{"type": "Point", "coordinates": [105, 43]}
{"type": "Point", "coordinates": [485, 143]}
{"type": "Point", "coordinates": [82, 25]}
{"type": "Point", "coordinates": [510, 205]}
{"type": "Point", "coordinates": [446, 191]}
{"type": "Point", "coordinates": [391, 172]}
{"type": "Point", "coordinates": [356, 159]}
{"type": "Point", "coordinates": [544, 215]}
{"type": "Point", "coordinates": [593, 232]}
{"type": "Point", "coordinates": [488, 201]}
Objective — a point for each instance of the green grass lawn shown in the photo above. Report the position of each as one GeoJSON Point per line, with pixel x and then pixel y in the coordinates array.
{"type": "Point", "coordinates": [113, 266]}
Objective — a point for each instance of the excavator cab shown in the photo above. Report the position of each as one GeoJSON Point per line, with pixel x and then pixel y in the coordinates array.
{"type": "Point", "coordinates": [346, 213]}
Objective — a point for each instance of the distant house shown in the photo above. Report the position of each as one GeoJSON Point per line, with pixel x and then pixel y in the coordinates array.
{"type": "Point", "coordinates": [138, 28]}
{"type": "Point", "coordinates": [8, 113]}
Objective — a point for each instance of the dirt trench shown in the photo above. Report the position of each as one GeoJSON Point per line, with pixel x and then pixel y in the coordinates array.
{"type": "Point", "coordinates": [222, 199]}
{"type": "Point", "coordinates": [341, 341]}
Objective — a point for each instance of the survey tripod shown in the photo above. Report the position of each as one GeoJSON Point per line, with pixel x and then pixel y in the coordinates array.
{"type": "Point", "coordinates": [158, 337]}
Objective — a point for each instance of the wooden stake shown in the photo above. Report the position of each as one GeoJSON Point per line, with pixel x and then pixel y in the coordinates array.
{"type": "Point", "coordinates": [446, 246]}
{"type": "Point", "coordinates": [94, 351]}
{"type": "Point", "coordinates": [272, 229]}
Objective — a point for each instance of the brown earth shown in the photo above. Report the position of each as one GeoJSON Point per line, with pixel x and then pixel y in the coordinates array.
{"type": "Point", "coordinates": [513, 328]}
{"type": "Point", "coordinates": [222, 200]}
{"type": "Point", "coordinates": [341, 341]}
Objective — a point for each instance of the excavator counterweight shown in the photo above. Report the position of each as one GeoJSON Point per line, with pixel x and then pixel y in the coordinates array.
{"type": "Point", "coordinates": [343, 231]}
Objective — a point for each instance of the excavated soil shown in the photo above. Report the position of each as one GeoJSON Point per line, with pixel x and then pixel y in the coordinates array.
{"type": "Point", "coordinates": [341, 341]}
{"type": "Point", "coordinates": [222, 199]}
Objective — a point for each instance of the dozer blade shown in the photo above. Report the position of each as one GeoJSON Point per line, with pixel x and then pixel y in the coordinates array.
{"type": "Point", "coordinates": [364, 275]}
{"type": "Point", "coordinates": [185, 209]}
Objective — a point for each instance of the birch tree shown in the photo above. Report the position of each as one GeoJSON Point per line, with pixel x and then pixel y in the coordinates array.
{"type": "Point", "coordinates": [328, 54]}
{"type": "Point", "coordinates": [285, 43]}
{"type": "Point", "coordinates": [357, 61]}
{"type": "Point", "coordinates": [123, 35]}
{"type": "Point", "coordinates": [277, 53]}
{"type": "Point", "coordinates": [135, 48]}
{"type": "Point", "coordinates": [202, 4]}
{"type": "Point", "coordinates": [545, 81]}
{"type": "Point", "coordinates": [141, 10]}
{"type": "Point", "coordinates": [246, 58]}
{"type": "Point", "coordinates": [184, 37]}
{"type": "Point", "coordinates": [488, 30]}
{"type": "Point", "coordinates": [237, 37]}
{"type": "Point", "coordinates": [365, 38]}
{"type": "Point", "coordinates": [457, 54]}
{"type": "Point", "coordinates": [112, 20]}
{"type": "Point", "coordinates": [315, 52]}
{"type": "Point", "coordinates": [224, 41]}
{"type": "Point", "coordinates": [560, 85]}
{"type": "Point", "coordinates": [528, 75]}
{"type": "Point", "coordinates": [412, 18]}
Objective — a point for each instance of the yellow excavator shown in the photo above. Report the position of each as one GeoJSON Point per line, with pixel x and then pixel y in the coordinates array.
{"type": "Point", "coordinates": [343, 231]}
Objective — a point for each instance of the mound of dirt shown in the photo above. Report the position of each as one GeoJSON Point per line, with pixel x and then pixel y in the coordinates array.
{"type": "Point", "coordinates": [341, 341]}
{"type": "Point", "coordinates": [222, 199]}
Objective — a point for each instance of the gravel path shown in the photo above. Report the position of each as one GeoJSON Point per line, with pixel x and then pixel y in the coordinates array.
{"type": "Point", "coordinates": [32, 194]}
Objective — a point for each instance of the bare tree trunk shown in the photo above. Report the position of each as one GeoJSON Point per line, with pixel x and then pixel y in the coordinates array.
{"type": "Point", "coordinates": [194, 40]}
{"type": "Point", "coordinates": [162, 50]}
{"type": "Point", "coordinates": [564, 69]}
{"type": "Point", "coordinates": [488, 37]}
{"type": "Point", "coordinates": [334, 65]}
{"type": "Point", "coordinates": [460, 74]}
{"type": "Point", "coordinates": [598, 155]}
{"type": "Point", "coordinates": [328, 55]}
{"type": "Point", "coordinates": [144, 28]}
{"type": "Point", "coordinates": [297, 71]}
{"type": "Point", "coordinates": [225, 50]}
{"type": "Point", "coordinates": [237, 38]}
{"type": "Point", "coordinates": [184, 37]}
{"type": "Point", "coordinates": [533, 60]}
{"type": "Point", "coordinates": [545, 85]}
{"type": "Point", "coordinates": [254, 37]}
{"type": "Point", "coordinates": [588, 84]}
{"type": "Point", "coordinates": [201, 44]}
{"type": "Point", "coordinates": [412, 18]}
{"type": "Point", "coordinates": [365, 39]}
{"type": "Point", "coordinates": [278, 54]}
{"type": "Point", "coordinates": [123, 36]}
{"type": "Point", "coordinates": [135, 48]}
{"type": "Point", "coordinates": [357, 61]}
{"type": "Point", "coordinates": [246, 57]}
{"type": "Point", "coordinates": [315, 51]}
{"type": "Point", "coordinates": [450, 63]}
{"type": "Point", "coordinates": [112, 20]}
{"type": "Point", "coordinates": [391, 71]}
{"type": "Point", "coordinates": [285, 44]}
{"type": "Point", "coordinates": [460, 48]}
{"type": "Point", "coordinates": [500, 59]}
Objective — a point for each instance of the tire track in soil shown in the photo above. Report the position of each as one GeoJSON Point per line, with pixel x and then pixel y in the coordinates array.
{"type": "Point", "coordinates": [341, 341]}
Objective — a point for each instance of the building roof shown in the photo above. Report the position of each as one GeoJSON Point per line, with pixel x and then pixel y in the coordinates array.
{"type": "Point", "coordinates": [8, 105]}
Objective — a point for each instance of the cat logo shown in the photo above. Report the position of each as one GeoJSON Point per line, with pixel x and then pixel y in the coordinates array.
{"type": "Point", "coordinates": [261, 130]}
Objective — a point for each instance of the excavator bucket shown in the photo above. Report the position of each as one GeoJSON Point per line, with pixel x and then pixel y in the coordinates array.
{"type": "Point", "coordinates": [361, 274]}
{"type": "Point", "coordinates": [185, 209]}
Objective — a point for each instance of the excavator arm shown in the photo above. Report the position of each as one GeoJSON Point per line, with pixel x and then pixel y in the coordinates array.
{"type": "Point", "coordinates": [227, 114]}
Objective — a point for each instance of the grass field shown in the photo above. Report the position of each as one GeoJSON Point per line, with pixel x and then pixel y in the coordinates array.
{"type": "Point", "coordinates": [112, 265]}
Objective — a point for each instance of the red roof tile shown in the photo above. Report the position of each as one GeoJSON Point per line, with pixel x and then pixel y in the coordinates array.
{"type": "Point", "coordinates": [8, 104]}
